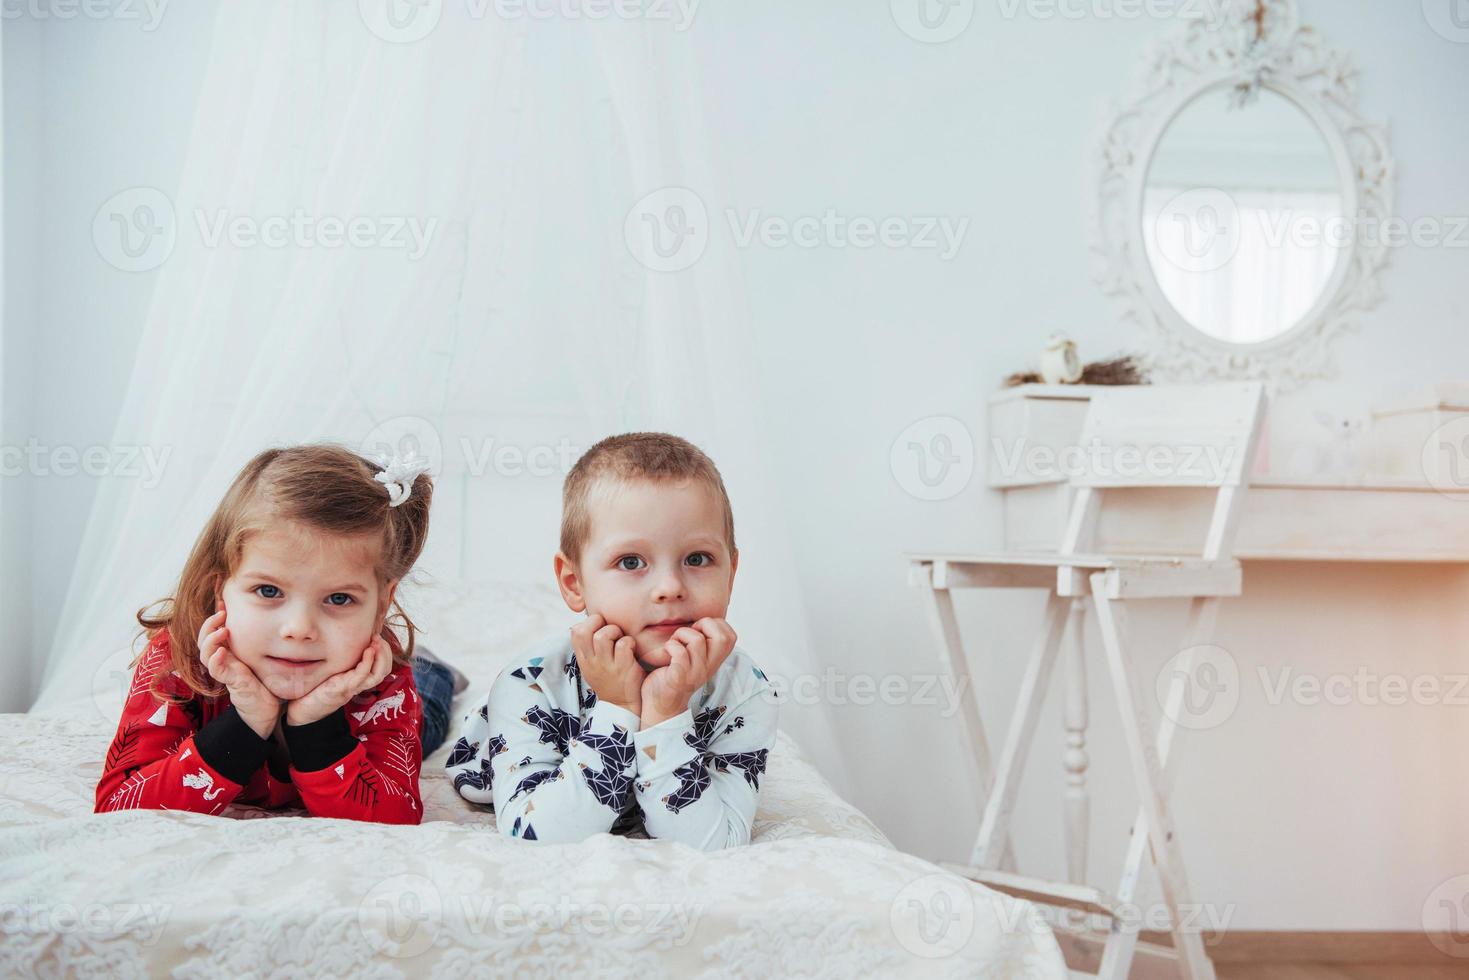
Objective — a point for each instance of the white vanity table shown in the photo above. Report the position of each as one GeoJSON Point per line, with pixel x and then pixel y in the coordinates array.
{"type": "Point", "coordinates": [1367, 519]}
{"type": "Point", "coordinates": [1030, 428]}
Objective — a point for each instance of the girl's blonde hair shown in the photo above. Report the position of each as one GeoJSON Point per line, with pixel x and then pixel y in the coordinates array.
{"type": "Point", "coordinates": [325, 488]}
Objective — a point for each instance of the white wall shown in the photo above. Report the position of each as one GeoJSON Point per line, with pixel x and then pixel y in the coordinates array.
{"type": "Point", "coordinates": [92, 106]}
{"type": "Point", "coordinates": [1292, 816]}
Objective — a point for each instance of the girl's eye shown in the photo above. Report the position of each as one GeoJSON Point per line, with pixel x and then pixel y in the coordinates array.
{"type": "Point", "coordinates": [339, 599]}
{"type": "Point", "coordinates": [630, 563]}
{"type": "Point", "coordinates": [704, 559]}
{"type": "Point", "coordinates": [267, 591]}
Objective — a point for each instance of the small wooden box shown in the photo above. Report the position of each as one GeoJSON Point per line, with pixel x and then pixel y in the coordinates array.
{"type": "Point", "coordinates": [1405, 441]}
{"type": "Point", "coordinates": [1029, 417]}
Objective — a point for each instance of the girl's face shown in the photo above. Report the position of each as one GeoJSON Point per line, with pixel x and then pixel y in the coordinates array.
{"type": "Point", "coordinates": [303, 605]}
{"type": "Point", "coordinates": [655, 559]}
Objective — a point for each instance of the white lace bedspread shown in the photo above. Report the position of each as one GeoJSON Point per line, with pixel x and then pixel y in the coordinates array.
{"type": "Point", "coordinates": [819, 891]}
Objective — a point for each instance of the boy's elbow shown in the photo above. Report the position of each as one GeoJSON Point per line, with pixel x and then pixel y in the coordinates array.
{"type": "Point", "coordinates": [544, 829]}
{"type": "Point", "coordinates": [733, 836]}
{"type": "Point", "coordinates": [724, 835]}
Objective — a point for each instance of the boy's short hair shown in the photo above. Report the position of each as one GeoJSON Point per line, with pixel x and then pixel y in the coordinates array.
{"type": "Point", "coordinates": [655, 456]}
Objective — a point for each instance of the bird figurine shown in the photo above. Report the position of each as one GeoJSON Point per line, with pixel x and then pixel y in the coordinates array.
{"type": "Point", "coordinates": [1060, 364]}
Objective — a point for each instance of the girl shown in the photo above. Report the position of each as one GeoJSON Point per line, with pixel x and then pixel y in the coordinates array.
{"type": "Point", "coordinates": [272, 676]}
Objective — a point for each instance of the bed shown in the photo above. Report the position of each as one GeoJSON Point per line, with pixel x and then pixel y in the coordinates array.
{"type": "Point", "coordinates": [820, 891]}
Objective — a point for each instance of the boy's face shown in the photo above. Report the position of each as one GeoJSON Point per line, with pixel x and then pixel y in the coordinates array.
{"type": "Point", "coordinates": [656, 559]}
{"type": "Point", "coordinates": [302, 606]}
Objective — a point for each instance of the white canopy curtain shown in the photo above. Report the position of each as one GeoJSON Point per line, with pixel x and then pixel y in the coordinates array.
{"type": "Point", "coordinates": [526, 321]}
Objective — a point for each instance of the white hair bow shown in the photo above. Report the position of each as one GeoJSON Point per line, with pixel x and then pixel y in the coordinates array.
{"type": "Point", "coordinates": [398, 475]}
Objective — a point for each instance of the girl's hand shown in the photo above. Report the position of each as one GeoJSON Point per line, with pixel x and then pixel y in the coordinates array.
{"type": "Point", "coordinates": [334, 692]}
{"type": "Point", "coordinates": [260, 709]}
{"type": "Point", "coordinates": [607, 664]}
{"type": "Point", "coordinates": [695, 654]}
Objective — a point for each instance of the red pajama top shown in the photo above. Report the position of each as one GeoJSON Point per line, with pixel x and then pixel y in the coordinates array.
{"type": "Point", "coordinates": [360, 763]}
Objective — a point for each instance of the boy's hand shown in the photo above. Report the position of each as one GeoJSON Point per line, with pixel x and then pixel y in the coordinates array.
{"type": "Point", "coordinates": [695, 655]}
{"type": "Point", "coordinates": [260, 709]}
{"type": "Point", "coordinates": [607, 662]}
{"type": "Point", "coordinates": [334, 692]}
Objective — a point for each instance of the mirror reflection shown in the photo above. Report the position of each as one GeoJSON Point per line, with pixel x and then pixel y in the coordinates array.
{"type": "Point", "coordinates": [1243, 215]}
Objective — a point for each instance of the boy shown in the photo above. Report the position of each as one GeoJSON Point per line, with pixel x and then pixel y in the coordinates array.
{"type": "Point", "coordinates": [647, 714]}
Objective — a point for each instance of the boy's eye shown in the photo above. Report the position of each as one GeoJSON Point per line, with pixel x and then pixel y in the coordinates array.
{"type": "Point", "coordinates": [630, 563]}
{"type": "Point", "coordinates": [339, 599]}
{"type": "Point", "coordinates": [267, 591]}
{"type": "Point", "coordinates": [703, 558]}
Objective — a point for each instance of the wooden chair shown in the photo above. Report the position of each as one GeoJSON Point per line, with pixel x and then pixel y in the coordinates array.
{"type": "Point", "coordinates": [1174, 436]}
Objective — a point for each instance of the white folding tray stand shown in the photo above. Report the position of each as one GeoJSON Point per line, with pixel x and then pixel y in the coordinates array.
{"type": "Point", "coordinates": [1143, 437]}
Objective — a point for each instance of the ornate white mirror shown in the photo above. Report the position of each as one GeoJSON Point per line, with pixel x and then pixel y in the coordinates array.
{"type": "Point", "coordinates": [1241, 199]}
